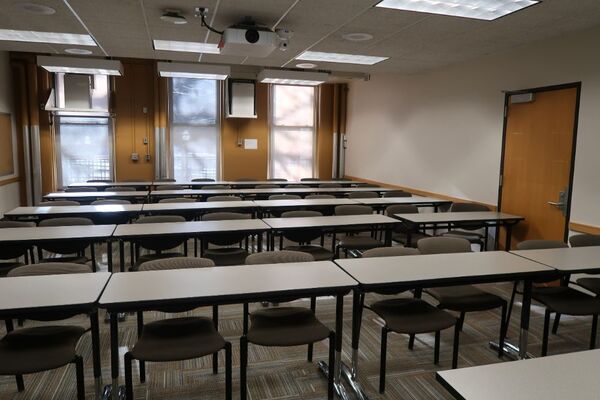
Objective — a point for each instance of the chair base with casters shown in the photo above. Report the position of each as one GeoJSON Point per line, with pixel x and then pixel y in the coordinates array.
{"type": "Point", "coordinates": [175, 340]}
{"type": "Point", "coordinates": [43, 348]}
{"type": "Point", "coordinates": [284, 327]}
{"type": "Point", "coordinates": [358, 242]}
{"type": "Point", "coordinates": [569, 302]}
{"type": "Point", "coordinates": [413, 316]}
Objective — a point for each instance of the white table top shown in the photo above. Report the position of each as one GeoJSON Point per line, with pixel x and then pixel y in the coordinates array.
{"type": "Point", "coordinates": [208, 205]}
{"type": "Point", "coordinates": [109, 184]}
{"type": "Point", "coordinates": [561, 377]}
{"type": "Point", "coordinates": [48, 233]}
{"type": "Point", "coordinates": [189, 228]}
{"type": "Point", "coordinates": [93, 195]}
{"type": "Point", "coordinates": [474, 216]}
{"type": "Point", "coordinates": [304, 203]}
{"type": "Point", "coordinates": [74, 210]}
{"type": "Point", "coordinates": [242, 282]}
{"type": "Point", "coordinates": [329, 221]}
{"type": "Point", "coordinates": [215, 192]}
{"type": "Point", "coordinates": [440, 268]}
{"type": "Point", "coordinates": [254, 183]}
{"type": "Point", "coordinates": [29, 293]}
{"type": "Point", "coordinates": [403, 200]}
{"type": "Point", "coordinates": [571, 259]}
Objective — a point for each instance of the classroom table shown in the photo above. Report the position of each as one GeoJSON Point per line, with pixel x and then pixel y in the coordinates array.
{"type": "Point", "coordinates": [99, 211]}
{"type": "Point", "coordinates": [148, 290]}
{"type": "Point", "coordinates": [47, 234]}
{"type": "Point", "coordinates": [300, 204]}
{"type": "Point", "coordinates": [265, 192]}
{"type": "Point", "coordinates": [331, 223]}
{"type": "Point", "coordinates": [251, 184]}
{"type": "Point", "coordinates": [198, 208]}
{"type": "Point", "coordinates": [33, 296]}
{"type": "Point", "coordinates": [560, 377]}
{"type": "Point", "coordinates": [186, 230]}
{"type": "Point", "coordinates": [569, 260]}
{"type": "Point", "coordinates": [419, 201]}
{"type": "Point", "coordinates": [487, 218]}
{"type": "Point", "coordinates": [91, 196]}
{"type": "Point", "coordinates": [139, 185]}
{"type": "Point", "coordinates": [435, 270]}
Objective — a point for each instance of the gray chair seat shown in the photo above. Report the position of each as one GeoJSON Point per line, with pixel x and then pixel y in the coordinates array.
{"type": "Point", "coordinates": [412, 316]}
{"type": "Point", "coordinates": [178, 339]}
{"type": "Point", "coordinates": [402, 237]}
{"type": "Point", "coordinates": [226, 255]}
{"type": "Point", "coordinates": [591, 284]}
{"type": "Point", "coordinates": [568, 301]}
{"type": "Point", "coordinates": [319, 253]}
{"type": "Point", "coordinates": [359, 242]}
{"type": "Point", "coordinates": [30, 350]}
{"type": "Point", "coordinates": [286, 326]}
{"type": "Point", "coordinates": [472, 237]}
{"type": "Point", "coordinates": [67, 259]}
{"type": "Point", "coordinates": [465, 298]}
{"type": "Point", "coordinates": [5, 267]}
{"type": "Point", "coordinates": [151, 257]}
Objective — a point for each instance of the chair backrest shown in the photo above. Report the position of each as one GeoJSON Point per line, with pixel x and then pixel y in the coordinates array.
{"type": "Point", "coordinates": [390, 252]}
{"type": "Point", "coordinates": [402, 226]}
{"type": "Point", "coordinates": [224, 198]}
{"type": "Point", "coordinates": [362, 184]}
{"type": "Point", "coordinates": [10, 251]}
{"type": "Point", "coordinates": [278, 257]}
{"type": "Point", "coordinates": [176, 263]}
{"type": "Point", "coordinates": [65, 247]}
{"type": "Point", "coordinates": [178, 200]}
{"type": "Point", "coordinates": [159, 243]}
{"type": "Point", "coordinates": [51, 268]}
{"type": "Point", "coordinates": [320, 196]}
{"type": "Point", "coordinates": [170, 187]}
{"type": "Point", "coordinates": [215, 187]}
{"type": "Point", "coordinates": [284, 197]}
{"type": "Point", "coordinates": [583, 240]}
{"type": "Point", "coordinates": [109, 202]}
{"type": "Point", "coordinates": [309, 179]}
{"type": "Point", "coordinates": [66, 221]}
{"type": "Point", "coordinates": [330, 185]}
{"type": "Point", "coordinates": [363, 195]}
{"type": "Point", "coordinates": [467, 207]}
{"type": "Point", "coordinates": [397, 193]}
{"type": "Point", "coordinates": [300, 214]}
{"type": "Point", "coordinates": [296, 186]}
{"type": "Point", "coordinates": [267, 186]}
{"type": "Point", "coordinates": [165, 180]}
{"type": "Point", "coordinates": [443, 245]}
{"type": "Point", "coordinates": [303, 235]}
{"type": "Point", "coordinates": [99, 181]}
{"type": "Point", "coordinates": [203, 180]}
{"type": "Point", "coordinates": [353, 209]}
{"type": "Point", "coordinates": [59, 203]}
{"type": "Point", "coordinates": [120, 189]}
{"type": "Point", "coordinates": [277, 180]}
{"type": "Point", "coordinates": [229, 238]}
{"type": "Point", "coordinates": [538, 244]}
{"type": "Point", "coordinates": [80, 189]}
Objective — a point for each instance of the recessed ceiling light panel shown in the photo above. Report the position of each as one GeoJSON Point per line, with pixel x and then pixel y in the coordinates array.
{"type": "Point", "coordinates": [46, 37]}
{"type": "Point", "coordinates": [340, 58]}
{"type": "Point", "coordinates": [357, 37]}
{"type": "Point", "coordinates": [298, 78]}
{"type": "Point", "coordinates": [306, 65]}
{"type": "Point", "coordinates": [478, 9]}
{"type": "Point", "coordinates": [79, 52]}
{"type": "Point", "coordinates": [34, 8]}
{"type": "Point", "coordinates": [74, 65]}
{"type": "Point", "coordinates": [196, 71]}
{"type": "Point", "coordinates": [190, 47]}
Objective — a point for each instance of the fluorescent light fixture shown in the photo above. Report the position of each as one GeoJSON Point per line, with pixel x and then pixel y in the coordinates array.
{"type": "Point", "coordinates": [340, 58]}
{"type": "Point", "coordinates": [190, 47]}
{"type": "Point", "coordinates": [197, 71]}
{"type": "Point", "coordinates": [298, 78]}
{"type": "Point", "coordinates": [478, 9]}
{"type": "Point", "coordinates": [73, 65]}
{"type": "Point", "coordinates": [46, 37]}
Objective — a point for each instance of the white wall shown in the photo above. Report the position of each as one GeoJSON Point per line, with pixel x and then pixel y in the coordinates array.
{"type": "Point", "coordinates": [441, 131]}
{"type": "Point", "coordinates": [9, 194]}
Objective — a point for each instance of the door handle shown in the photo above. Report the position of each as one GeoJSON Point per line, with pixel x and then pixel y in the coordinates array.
{"type": "Point", "coordinates": [556, 204]}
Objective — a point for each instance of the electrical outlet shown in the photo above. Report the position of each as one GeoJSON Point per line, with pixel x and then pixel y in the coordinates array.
{"type": "Point", "coordinates": [145, 110]}
{"type": "Point", "coordinates": [145, 140]}
{"type": "Point", "coordinates": [135, 156]}
{"type": "Point", "coordinates": [147, 157]}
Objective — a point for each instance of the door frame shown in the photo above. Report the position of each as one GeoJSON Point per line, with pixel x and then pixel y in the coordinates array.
{"type": "Point", "coordinates": [507, 94]}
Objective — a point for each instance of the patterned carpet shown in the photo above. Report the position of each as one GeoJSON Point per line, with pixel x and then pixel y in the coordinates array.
{"type": "Point", "coordinates": [284, 373]}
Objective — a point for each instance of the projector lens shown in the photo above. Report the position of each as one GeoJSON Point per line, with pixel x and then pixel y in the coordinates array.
{"type": "Point", "coordinates": [252, 35]}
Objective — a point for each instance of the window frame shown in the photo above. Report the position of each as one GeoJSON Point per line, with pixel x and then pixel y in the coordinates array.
{"type": "Point", "coordinates": [272, 127]}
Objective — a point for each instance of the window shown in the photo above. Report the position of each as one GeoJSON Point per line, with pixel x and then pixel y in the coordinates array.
{"type": "Point", "coordinates": [83, 128]}
{"type": "Point", "coordinates": [194, 128]}
{"type": "Point", "coordinates": [292, 132]}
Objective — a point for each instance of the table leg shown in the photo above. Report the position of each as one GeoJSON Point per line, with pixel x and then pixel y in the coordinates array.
{"type": "Point", "coordinates": [388, 235]}
{"type": "Point", "coordinates": [113, 389]}
{"type": "Point", "coordinates": [508, 237]}
{"type": "Point", "coordinates": [109, 255]}
{"type": "Point", "coordinates": [95, 330]}
{"type": "Point", "coordinates": [122, 255]}
{"type": "Point", "coordinates": [259, 240]}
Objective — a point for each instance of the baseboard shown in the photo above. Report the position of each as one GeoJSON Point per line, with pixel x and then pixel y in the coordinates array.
{"type": "Point", "coordinates": [583, 228]}
{"type": "Point", "coordinates": [9, 181]}
{"type": "Point", "coordinates": [420, 192]}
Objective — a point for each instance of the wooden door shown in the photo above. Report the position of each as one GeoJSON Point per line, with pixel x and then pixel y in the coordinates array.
{"type": "Point", "coordinates": [537, 165]}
